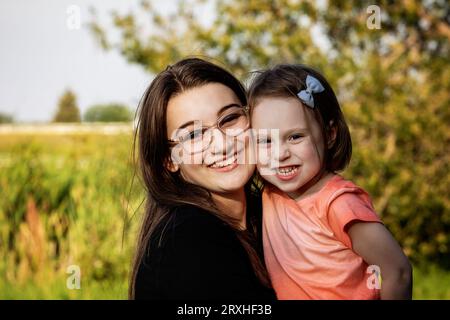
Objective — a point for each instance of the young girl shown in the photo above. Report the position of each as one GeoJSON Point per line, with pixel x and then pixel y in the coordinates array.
{"type": "Point", "coordinates": [322, 238]}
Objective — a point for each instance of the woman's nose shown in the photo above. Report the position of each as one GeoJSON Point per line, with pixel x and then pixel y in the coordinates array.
{"type": "Point", "coordinates": [220, 143]}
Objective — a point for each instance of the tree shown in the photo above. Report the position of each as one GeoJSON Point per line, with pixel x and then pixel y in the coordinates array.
{"type": "Point", "coordinates": [6, 118]}
{"type": "Point", "coordinates": [108, 113]}
{"type": "Point", "coordinates": [393, 84]}
{"type": "Point", "coordinates": [67, 108]}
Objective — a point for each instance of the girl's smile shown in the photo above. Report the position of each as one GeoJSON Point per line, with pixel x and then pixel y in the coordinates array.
{"type": "Point", "coordinates": [287, 173]}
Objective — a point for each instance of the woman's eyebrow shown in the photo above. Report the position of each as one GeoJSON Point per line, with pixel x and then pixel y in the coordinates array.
{"type": "Point", "coordinates": [186, 124]}
{"type": "Point", "coordinates": [224, 108]}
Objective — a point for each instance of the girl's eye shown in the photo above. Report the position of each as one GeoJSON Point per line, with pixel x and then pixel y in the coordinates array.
{"type": "Point", "coordinates": [295, 137]}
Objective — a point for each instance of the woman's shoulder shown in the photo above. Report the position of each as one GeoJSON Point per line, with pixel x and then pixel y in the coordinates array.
{"type": "Point", "coordinates": [199, 257]}
{"type": "Point", "coordinates": [186, 223]}
{"type": "Point", "coordinates": [189, 216]}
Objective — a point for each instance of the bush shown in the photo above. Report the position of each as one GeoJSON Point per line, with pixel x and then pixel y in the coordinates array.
{"type": "Point", "coordinates": [108, 113]}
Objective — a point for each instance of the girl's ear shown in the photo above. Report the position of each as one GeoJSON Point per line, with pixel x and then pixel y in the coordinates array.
{"type": "Point", "coordinates": [332, 133]}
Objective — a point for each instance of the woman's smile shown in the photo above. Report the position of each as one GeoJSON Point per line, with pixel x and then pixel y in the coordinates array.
{"type": "Point", "coordinates": [226, 165]}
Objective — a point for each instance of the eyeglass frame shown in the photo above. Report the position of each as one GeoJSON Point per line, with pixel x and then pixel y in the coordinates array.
{"type": "Point", "coordinates": [246, 110]}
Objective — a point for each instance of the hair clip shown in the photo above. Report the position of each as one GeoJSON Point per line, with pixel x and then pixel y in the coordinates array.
{"type": "Point", "coordinates": [312, 86]}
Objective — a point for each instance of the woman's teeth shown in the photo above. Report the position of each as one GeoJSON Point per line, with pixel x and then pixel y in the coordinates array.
{"type": "Point", "coordinates": [286, 171]}
{"type": "Point", "coordinates": [224, 163]}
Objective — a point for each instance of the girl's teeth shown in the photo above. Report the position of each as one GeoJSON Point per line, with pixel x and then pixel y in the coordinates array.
{"type": "Point", "coordinates": [287, 171]}
{"type": "Point", "coordinates": [224, 163]}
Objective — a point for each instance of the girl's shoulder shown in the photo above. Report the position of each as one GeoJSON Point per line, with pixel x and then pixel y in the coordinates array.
{"type": "Point", "coordinates": [344, 201]}
{"type": "Point", "coordinates": [336, 193]}
{"type": "Point", "coordinates": [339, 187]}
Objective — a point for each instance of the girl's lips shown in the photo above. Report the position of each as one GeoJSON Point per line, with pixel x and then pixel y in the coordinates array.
{"type": "Point", "coordinates": [287, 175]}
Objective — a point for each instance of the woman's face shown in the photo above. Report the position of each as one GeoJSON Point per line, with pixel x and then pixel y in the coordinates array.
{"type": "Point", "coordinates": [218, 162]}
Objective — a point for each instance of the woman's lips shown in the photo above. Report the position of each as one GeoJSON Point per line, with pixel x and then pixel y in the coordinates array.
{"type": "Point", "coordinates": [225, 165]}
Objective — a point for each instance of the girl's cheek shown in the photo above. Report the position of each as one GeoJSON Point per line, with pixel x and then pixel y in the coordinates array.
{"type": "Point", "coordinates": [310, 151]}
{"type": "Point", "coordinates": [263, 156]}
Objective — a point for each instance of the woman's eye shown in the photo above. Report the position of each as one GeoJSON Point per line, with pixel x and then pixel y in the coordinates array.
{"type": "Point", "coordinates": [196, 134]}
{"type": "Point", "coordinates": [264, 141]}
{"type": "Point", "coordinates": [192, 135]}
{"type": "Point", "coordinates": [229, 120]}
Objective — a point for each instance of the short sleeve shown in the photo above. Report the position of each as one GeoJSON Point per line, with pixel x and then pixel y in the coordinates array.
{"type": "Point", "coordinates": [347, 207]}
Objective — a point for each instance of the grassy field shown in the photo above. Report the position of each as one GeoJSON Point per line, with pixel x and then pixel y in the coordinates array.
{"type": "Point", "coordinates": [67, 199]}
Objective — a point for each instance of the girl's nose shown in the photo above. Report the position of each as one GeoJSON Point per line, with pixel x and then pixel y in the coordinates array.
{"type": "Point", "coordinates": [281, 153]}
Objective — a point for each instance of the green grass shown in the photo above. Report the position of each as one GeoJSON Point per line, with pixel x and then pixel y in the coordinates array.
{"type": "Point", "coordinates": [78, 186]}
{"type": "Point", "coordinates": [429, 283]}
{"type": "Point", "coordinates": [57, 290]}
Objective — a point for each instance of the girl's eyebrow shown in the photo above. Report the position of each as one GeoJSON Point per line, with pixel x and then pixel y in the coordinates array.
{"type": "Point", "coordinates": [298, 129]}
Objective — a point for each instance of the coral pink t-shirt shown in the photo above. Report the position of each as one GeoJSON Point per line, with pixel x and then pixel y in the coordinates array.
{"type": "Point", "coordinates": [307, 250]}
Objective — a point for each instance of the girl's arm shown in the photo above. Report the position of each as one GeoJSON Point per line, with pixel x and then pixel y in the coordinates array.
{"type": "Point", "coordinates": [375, 244]}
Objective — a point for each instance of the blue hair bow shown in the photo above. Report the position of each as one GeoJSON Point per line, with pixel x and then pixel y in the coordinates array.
{"type": "Point", "coordinates": [312, 86]}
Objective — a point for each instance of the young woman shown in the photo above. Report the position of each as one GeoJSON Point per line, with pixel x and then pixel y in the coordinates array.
{"type": "Point", "coordinates": [199, 234]}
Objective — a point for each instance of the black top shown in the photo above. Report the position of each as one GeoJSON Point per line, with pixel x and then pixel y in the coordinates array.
{"type": "Point", "coordinates": [199, 257]}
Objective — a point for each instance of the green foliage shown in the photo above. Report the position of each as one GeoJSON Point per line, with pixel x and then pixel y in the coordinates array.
{"type": "Point", "coordinates": [67, 108]}
{"type": "Point", "coordinates": [6, 118]}
{"type": "Point", "coordinates": [65, 201]}
{"type": "Point", "coordinates": [108, 113]}
{"type": "Point", "coordinates": [393, 84]}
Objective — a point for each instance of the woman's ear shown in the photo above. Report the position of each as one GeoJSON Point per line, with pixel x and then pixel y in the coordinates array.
{"type": "Point", "coordinates": [171, 166]}
{"type": "Point", "coordinates": [332, 134]}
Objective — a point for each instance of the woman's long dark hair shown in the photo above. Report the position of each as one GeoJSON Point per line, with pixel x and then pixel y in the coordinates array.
{"type": "Point", "coordinates": [165, 190]}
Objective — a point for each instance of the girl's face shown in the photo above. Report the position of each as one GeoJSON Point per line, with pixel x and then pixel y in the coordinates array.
{"type": "Point", "coordinates": [207, 157]}
{"type": "Point", "coordinates": [292, 156]}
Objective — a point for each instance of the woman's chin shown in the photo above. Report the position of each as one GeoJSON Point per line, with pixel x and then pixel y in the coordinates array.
{"type": "Point", "coordinates": [234, 179]}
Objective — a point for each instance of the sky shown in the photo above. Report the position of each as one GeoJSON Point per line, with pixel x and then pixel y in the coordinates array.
{"type": "Point", "coordinates": [41, 57]}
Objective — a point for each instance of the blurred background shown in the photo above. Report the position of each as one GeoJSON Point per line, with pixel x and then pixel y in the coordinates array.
{"type": "Point", "coordinates": [71, 76]}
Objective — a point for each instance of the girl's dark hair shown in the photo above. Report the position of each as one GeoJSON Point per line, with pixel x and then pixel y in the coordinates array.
{"type": "Point", "coordinates": [286, 80]}
{"type": "Point", "coordinates": [165, 190]}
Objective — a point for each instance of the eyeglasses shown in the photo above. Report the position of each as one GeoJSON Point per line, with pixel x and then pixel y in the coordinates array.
{"type": "Point", "coordinates": [195, 138]}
